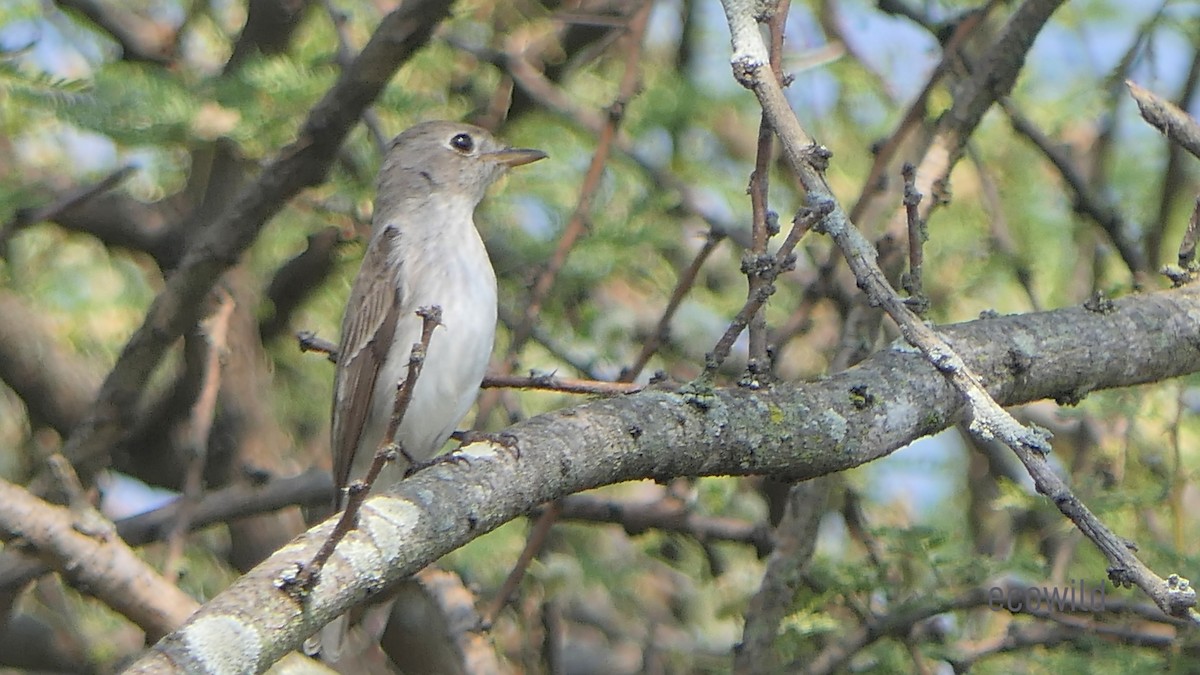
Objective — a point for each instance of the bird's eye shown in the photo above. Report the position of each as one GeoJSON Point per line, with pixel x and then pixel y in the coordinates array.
{"type": "Point", "coordinates": [462, 143]}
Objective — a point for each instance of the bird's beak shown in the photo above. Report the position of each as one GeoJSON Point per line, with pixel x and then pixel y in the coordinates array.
{"type": "Point", "coordinates": [516, 156]}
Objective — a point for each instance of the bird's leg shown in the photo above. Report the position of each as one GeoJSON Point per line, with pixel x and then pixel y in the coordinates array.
{"type": "Point", "coordinates": [452, 456]}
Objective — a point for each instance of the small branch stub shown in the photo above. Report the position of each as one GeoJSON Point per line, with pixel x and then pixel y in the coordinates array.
{"type": "Point", "coordinates": [309, 342]}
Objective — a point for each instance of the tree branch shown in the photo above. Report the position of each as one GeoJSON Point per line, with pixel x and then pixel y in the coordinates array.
{"type": "Point", "coordinates": [101, 565]}
{"type": "Point", "coordinates": [655, 434]}
{"type": "Point", "coordinates": [988, 420]}
{"type": "Point", "coordinates": [1167, 117]}
{"type": "Point", "coordinates": [56, 384]}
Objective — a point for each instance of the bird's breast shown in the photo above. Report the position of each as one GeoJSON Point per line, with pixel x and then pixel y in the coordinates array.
{"type": "Point", "coordinates": [458, 278]}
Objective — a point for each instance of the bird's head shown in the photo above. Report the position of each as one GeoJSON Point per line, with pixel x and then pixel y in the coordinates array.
{"type": "Point", "coordinates": [448, 158]}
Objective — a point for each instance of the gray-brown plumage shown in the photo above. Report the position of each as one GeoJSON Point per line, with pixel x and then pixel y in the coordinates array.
{"type": "Point", "coordinates": [424, 250]}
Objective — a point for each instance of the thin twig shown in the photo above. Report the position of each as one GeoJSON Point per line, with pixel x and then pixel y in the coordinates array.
{"type": "Point", "coordinates": [822, 286]}
{"type": "Point", "coordinates": [1187, 246]}
{"type": "Point", "coordinates": [533, 545]}
{"type": "Point", "coordinates": [896, 623]}
{"type": "Point", "coordinates": [345, 56]}
{"type": "Point", "coordinates": [585, 366]}
{"type": "Point", "coordinates": [911, 282]}
{"type": "Point", "coordinates": [1186, 271]}
{"type": "Point", "coordinates": [769, 268]}
{"type": "Point", "coordinates": [389, 448]}
{"type": "Point", "coordinates": [763, 223]}
{"type": "Point", "coordinates": [916, 112]}
{"type": "Point", "coordinates": [309, 342]}
{"type": "Point", "coordinates": [1167, 117]}
{"type": "Point", "coordinates": [1088, 201]}
{"type": "Point", "coordinates": [1001, 235]}
{"type": "Point", "coordinates": [662, 330]}
{"type": "Point", "coordinates": [992, 77]}
{"type": "Point", "coordinates": [298, 278]}
{"type": "Point", "coordinates": [431, 318]}
{"type": "Point", "coordinates": [1023, 638]}
{"type": "Point", "coordinates": [1109, 120]}
{"type": "Point", "coordinates": [831, 25]}
{"type": "Point", "coordinates": [581, 216]}
{"type": "Point", "coordinates": [667, 514]}
{"type": "Point", "coordinates": [538, 87]}
{"type": "Point", "coordinates": [1175, 172]}
{"type": "Point", "coordinates": [71, 199]}
{"type": "Point", "coordinates": [214, 332]}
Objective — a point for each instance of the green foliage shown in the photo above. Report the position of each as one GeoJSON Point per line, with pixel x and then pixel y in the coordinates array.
{"type": "Point", "coordinates": [266, 94]}
{"type": "Point", "coordinates": [136, 104]}
{"type": "Point", "coordinates": [21, 88]}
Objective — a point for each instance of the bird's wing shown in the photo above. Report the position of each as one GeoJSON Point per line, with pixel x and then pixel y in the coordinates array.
{"type": "Point", "coordinates": [367, 331]}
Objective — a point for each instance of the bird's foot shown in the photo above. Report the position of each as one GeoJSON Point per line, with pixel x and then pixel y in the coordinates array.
{"type": "Point", "coordinates": [504, 439]}
{"type": "Point", "coordinates": [450, 457]}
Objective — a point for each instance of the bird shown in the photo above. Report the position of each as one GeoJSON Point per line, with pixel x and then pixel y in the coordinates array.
{"type": "Point", "coordinates": [424, 250]}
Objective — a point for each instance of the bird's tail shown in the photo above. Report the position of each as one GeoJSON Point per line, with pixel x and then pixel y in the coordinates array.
{"type": "Point", "coordinates": [329, 641]}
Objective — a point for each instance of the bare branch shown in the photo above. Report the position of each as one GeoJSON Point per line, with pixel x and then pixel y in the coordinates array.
{"type": "Point", "coordinates": [298, 278]}
{"type": "Point", "coordinates": [763, 223]}
{"type": "Point", "coordinates": [1175, 173]}
{"type": "Point", "coordinates": [199, 424]}
{"type": "Point", "coordinates": [104, 566]}
{"type": "Point", "coordinates": [1088, 201]}
{"type": "Point", "coordinates": [662, 329]}
{"type": "Point", "coordinates": [1187, 246]}
{"type": "Point", "coordinates": [912, 282]}
{"type": "Point", "coordinates": [769, 268]}
{"type": "Point", "coordinates": [56, 384]}
{"type": "Point", "coordinates": [551, 382]}
{"type": "Point", "coordinates": [797, 540]}
{"type": "Point", "coordinates": [1167, 117]}
{"type": "Point", "coordinates": [1143, 339]}
{"type": "Point", "coordinates": [72, 199]}
{"type": "Point", "coordinates": [269, 27]}
{"type": "Point", "coordinates": [992, 78]}
{"type": "Point", "coordinates": [988, 420]}
{"type": "Point", "coordinates": [667, 515]}
{"type": "Point", "coordinates": [916, 110]}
